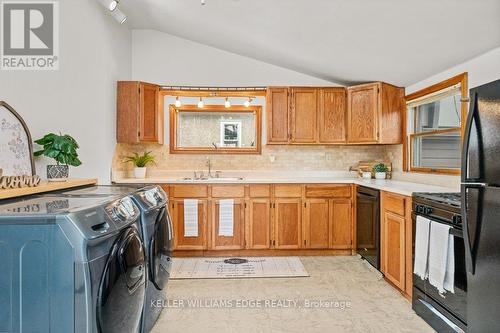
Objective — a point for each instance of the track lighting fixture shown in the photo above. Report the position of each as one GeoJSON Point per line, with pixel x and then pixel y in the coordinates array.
{"type": "Point", "coordinates": [227, 103]}
{"type": "Point", "coordinates": [119, 16]}
{"type": "Point", "coordinates": [112, 5]}
{"type": "Point", "coordinates": [247, 102]}
{"type": "Point", "coordinates": [201, 104]}
{"type": "Point", "coordinates": [177, 102]}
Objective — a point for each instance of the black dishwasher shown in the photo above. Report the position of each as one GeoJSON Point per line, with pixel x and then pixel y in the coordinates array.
{"type": "Point", "coordinates": [368, 225]}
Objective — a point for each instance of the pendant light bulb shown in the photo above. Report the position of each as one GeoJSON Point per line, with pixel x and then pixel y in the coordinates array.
{"type": "Point", "coordinates": [177, 102]}
{"type": "Point", "coordinates": [247, 102]}
{"type": "Point", "coordinates": [201, 104]}
{"type": "Point", "coordinates": [227, 103]}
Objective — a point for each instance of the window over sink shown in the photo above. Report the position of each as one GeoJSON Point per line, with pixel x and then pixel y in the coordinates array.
{"type": "Point", "coordinates": [435, 119]}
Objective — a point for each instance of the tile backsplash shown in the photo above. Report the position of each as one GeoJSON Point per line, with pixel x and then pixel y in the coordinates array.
{"type": "Point", "coordinates": [303, 158]}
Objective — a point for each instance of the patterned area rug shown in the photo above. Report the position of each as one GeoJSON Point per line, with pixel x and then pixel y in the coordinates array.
{"type": "Point", "coordinates": [237, 268]}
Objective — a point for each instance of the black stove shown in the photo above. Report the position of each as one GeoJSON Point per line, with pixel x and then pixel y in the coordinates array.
{"type": "Point", "coordinates": [446, 201]}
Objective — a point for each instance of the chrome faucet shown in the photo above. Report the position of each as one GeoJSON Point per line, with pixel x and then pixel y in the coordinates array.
{"type": "Point", "coordinates": [209, 165]}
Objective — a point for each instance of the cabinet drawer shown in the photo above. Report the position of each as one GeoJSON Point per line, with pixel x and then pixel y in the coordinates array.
{"type": "Point", "coordinates": [228, 191]}
{"type": "Point", "coordinates": [189, 191]}
{"type": "Point", "coordinates": [335, 191]}
{"type": "Point", "coordinates": [288, 191]}
{"type": "Point", "coordinates": [260, 191]}
{"type": "Point", "coordinates": [394, 203]}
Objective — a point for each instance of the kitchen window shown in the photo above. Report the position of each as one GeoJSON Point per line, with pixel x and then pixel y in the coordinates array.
{"type": "Point", "coordinates": [434, 122]}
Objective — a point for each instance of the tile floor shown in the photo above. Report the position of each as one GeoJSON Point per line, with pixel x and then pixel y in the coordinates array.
{"type": "Point", "coordinates": [355, 299]}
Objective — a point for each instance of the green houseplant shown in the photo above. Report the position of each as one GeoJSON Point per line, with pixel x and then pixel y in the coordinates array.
{"type": "Point", "coordinates": [63, 149]}
{"type": "Point", "coordinates": [380, 170]}
{"type": "Point", "coordinates": [140, 163]}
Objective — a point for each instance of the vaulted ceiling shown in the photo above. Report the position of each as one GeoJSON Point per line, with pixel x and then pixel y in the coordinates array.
{"type": "Point", "coordinates": [346, 41]}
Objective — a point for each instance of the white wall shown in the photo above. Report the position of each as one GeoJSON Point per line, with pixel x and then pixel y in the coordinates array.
{"type": "Point", "coordinates": [79, 98]}
{"type": "Point", "coordinates": [165, 59]}
{"type": "Point", "coordinates": [482, 69]}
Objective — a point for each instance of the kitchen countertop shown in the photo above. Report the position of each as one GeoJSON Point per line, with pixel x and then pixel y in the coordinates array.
{"type": "Point", "coordinates": [320, 177]}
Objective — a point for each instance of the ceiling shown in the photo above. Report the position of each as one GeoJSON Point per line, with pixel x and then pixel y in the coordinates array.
{"type": "Point", "coordinates": [345, 41]}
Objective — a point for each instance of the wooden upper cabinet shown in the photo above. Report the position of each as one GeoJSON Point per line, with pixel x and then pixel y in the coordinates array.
{"type": "Point", "coordinates": [287, 223]}
{"type": "Point", "coordinates": [332, 115]}
{"type": "Point", "coordinates": [362, 104]}
{"type": "Point", "coordinates": [236, 241]}
{"type": "Point", "coordinates": [139, 113]}
{"type": "Point", "coordinates": [304, 108]}
{"type": "Point", "coordinates": [277, 110]}
{"type": "Point", "coordinates": [375, 113]}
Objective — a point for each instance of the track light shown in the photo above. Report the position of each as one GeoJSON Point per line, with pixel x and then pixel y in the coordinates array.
{"type": "Point", "coordinates": [112, 5]}
{"type": "Point", "coordinates": [177, 102]}
{"type": "Point", "coordinates": [201, 104]}
{"type": "Point", "coordinates": [227, 103]}
{"type": "Point", "coordinates": [119, 16]}
{"type": "Point", "coordinates": [247, 102]}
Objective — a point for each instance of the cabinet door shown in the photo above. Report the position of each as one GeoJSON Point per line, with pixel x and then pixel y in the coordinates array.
{"type": "Point", "coordinates": [182, 242]}
{"type": "Point", "coordinates": [332, 116]}
{"type": "Point", "coordinates": [393, 248]}
{"type": "Point", "coordinates": [303, 115]}
{"type": "Point", "coordinates": [362, 110]}
{"type": "Point", "coordinates": [148, 112]}
{"type": "Point", "coordinates": [287, 230]}
{"type": "Point", "coordinates": [259, 226]}
{"type": "Point", "coordinates": [237, 240]}
{"type": "Point", "coordinates": [277, 115]}
{"type": "Point", "coordinates": [341, 228]}
{"type": "Point", "coordinates": [316, 224]}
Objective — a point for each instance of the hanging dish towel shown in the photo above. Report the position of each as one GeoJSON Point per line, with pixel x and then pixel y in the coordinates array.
{"type": "Point", "coordinates": [226, 218]}
{"type": "Point", "coordinates": [438, 254]}
{"type": "Point", "coordinates": [449, 278]}
{"type": "Point", "coordinates": [190, 217]}
{"type": "Point", "coordinates": [421, 247]}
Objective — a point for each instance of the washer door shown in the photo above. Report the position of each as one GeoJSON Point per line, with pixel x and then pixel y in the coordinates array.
{"type": "Point", "coordinates": [160, 259]}
{"type": "Point", "coordinates": [121, 292]}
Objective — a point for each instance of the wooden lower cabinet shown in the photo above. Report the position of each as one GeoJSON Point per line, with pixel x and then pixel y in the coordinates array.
{"type": "Point", "coordinates": [396, 241]}
{"type": "Point", "coordinates": [235, 242]}
{"type": "Point", "coordinates": [317, 216]}
{"type": "Point", "coordinates": [341, 229]}
{"type": "Point", "coordinates": [287, 223]}
{"type": "Point", "coordinates": [181, 242]}
{"type": "Point", "coordinates": [259, 224]}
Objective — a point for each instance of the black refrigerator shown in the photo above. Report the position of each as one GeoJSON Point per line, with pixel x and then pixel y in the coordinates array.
{"type": "Point", "coordinates": [481, 208]}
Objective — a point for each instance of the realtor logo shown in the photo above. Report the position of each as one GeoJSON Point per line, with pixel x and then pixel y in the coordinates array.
{"type": "Point", "coordinates": [30, 38]}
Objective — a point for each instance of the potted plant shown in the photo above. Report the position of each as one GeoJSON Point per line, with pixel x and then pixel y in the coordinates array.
{"type": "Point", "coordinates": [61, 148]}
{"type": "Point", "coordinates": [380, 170]}
{"type": "Point", "coordinates": [140, 163]}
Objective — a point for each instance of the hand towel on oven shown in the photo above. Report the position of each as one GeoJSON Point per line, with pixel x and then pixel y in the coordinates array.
{"type": "Point", "coordinates": [190, 217]}
{"type": "Point", "coordinates": [421, 247]}
{"type": "Point", "coordinates": [226, 219]}
{"type": "Point", "coordinates": [438, 255]}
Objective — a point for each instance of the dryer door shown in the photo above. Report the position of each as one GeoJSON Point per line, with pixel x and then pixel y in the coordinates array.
{"type": "Point", "coordinates": [121, 292]}
{"type": "Point", "coordinates": [160, 259]}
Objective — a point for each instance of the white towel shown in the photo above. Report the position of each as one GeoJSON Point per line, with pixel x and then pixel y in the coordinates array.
{"type": "Point", "coordinates": [226, 218]}
{"type": "Point", "coordinates": [438, 254]}
{"type": "Point", "coordinates": [449, 277]}
{"type": "Point", "coordinates": [190, 217]}
{"type": "Point", "coordinates": [421, 247]}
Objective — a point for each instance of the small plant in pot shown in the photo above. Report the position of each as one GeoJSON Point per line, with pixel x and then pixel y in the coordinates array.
{"type": "Point", "coordinates": [380, 171]}
{"type": "Point", "coordinates": [140, 163]}
{"type": "Point", "coordinates": [62, 148]}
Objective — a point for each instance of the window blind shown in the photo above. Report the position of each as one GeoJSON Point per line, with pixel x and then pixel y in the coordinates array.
{"type": "Point", "coordinates": [436, 96]}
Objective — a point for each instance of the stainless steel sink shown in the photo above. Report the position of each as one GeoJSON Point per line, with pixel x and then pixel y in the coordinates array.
{"type": "Point", "coordinates": [214, 179]}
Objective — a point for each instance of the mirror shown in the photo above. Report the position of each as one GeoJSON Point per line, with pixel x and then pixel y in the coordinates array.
{"type": "Point", "coordinates": [215, 129]}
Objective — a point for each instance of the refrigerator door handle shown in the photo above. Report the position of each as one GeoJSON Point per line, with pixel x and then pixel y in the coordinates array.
{"type": "Point", "coordinates": [471, 244]}
{"type": "Point", "coordinates": [471, 118]}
